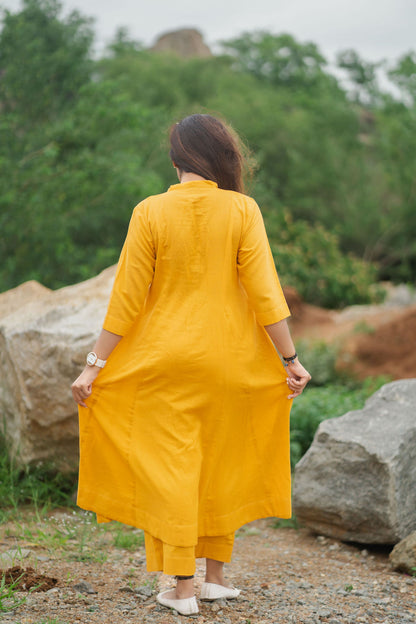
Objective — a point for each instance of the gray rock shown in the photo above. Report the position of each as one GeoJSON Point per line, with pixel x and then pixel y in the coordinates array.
{"type": "Point", "coordinates": [144, 590]}
{"type": "Point", "coordinates": [83, 587]}
{"type": "Point", "coordinates": [401, 295]}
{"type": "Point", "coordinates": [324, 613]}
{"type": "Point", "coordinates": [126, 589]}
{"type": "Point", "coordinates": [403, 555]}
{"type": "Point", "coordinates": [44, 338]}
{"type": "Point", "coordinates": [357, 481]}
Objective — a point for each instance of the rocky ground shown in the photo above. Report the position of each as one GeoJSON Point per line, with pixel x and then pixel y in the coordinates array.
{"type": "Point", "coordinates": [286, 575]}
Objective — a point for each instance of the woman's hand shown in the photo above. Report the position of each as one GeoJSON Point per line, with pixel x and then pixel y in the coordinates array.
{"type": "Point", "coordinates": [82, 387]}
{"type": "Point", "coordinates": [297, 378]}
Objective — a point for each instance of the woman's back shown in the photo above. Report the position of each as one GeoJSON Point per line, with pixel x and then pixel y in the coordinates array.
{"type": "Point", "coordinates": [204, 253]}
{"type": "Point", "coordinates": [197, 229]}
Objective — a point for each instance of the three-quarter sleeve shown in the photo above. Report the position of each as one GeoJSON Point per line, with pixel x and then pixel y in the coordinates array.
{"type": "Point", "coordinates": [134, 275]}
{"type": "Point", "coordinates": [257, 271]}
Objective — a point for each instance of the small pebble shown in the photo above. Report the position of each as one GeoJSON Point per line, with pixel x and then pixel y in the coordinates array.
{"type": "Point", "coordinates": [126, 589]}
{"type": "Point", "coordinates": [144, 590]}
{"type": "Point", "coordinates": [324, 613]}
{"type": "Point", "coordinates": [84, 587]}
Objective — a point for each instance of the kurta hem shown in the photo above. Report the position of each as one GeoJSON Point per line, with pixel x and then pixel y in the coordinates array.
{"type": "Point", "coordinates": [183, 536]}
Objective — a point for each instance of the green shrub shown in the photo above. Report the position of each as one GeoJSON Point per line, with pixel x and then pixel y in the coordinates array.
{"type": "Point", "coordinates": [319, 359]}
{"type": "Point", "coordinates": [309, 258]}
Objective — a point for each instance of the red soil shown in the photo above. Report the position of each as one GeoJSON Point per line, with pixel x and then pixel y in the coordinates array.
{"type": "Point", "coordinates": [373, 340]}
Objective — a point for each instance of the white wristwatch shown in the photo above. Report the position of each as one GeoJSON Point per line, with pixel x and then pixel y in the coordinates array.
{"type": "Point", "coordinates": [93, 360]}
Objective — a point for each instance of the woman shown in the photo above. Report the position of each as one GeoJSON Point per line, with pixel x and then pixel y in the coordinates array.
{"type": "Point", "coordinates": [185, 432]}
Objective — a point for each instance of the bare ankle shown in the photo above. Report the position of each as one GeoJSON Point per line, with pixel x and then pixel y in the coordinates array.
{"type": "Point", "coordinates": [215, 578]}
{"type": "Point", "coordinates": [185, 589]}
{"type": "Point", "coordinates": [215, 572]}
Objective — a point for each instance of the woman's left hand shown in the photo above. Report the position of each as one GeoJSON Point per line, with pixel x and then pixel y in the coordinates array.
{"type": "Point", "coordinates": [82, 386]}
{"type": "Point", "coordinates": [297, 378]}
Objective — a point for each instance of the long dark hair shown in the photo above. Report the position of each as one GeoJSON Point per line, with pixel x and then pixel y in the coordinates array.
{"type": "Point", "coordinates": [204, 145]}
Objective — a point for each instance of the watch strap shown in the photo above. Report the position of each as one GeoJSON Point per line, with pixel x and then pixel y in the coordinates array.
{"type": "Point", "coordinates": [94, 360]}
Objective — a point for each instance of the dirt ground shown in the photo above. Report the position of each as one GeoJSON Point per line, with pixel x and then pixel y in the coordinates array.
{"type": "Point", "coordinates": [372, 340]}
{"type": "Point", "coordinates": [27, 579]}
{"type": "Point", "coordinates": [285, 574]}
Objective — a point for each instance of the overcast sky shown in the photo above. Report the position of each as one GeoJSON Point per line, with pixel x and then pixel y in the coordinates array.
{"type": "Point", "coordinates": [377, 29]}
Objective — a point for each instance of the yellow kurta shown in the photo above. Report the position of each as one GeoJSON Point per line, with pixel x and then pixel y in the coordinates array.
{"type": "Point", "coordinates": [187, 429]}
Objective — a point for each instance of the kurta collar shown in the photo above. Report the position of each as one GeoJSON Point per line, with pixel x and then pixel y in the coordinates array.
{"type": "Point", "coordinates": [193, 184]}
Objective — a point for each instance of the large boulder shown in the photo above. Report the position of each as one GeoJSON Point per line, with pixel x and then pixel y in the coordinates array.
{"type": "Point", "coordinates": [403, 555]}
{"type": "Point", "coordinates": [357, 481]}
{"type": "Point", "coordinates": [44, 337]}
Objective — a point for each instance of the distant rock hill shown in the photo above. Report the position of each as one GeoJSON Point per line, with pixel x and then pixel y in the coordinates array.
{"type": "Point", "coordinates": [186, 42]}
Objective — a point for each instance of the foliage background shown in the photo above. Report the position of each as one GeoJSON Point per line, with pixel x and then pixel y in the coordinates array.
{"type": "Point", "coordinates": [83, 140]}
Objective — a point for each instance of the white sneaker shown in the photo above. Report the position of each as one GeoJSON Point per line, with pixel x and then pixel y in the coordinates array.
{"type": "Point", "coordinates": [184, 606]}
{"type": "Point", "coordinates": [212, 591]}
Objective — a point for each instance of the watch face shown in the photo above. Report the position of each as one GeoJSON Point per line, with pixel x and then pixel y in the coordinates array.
{"type": "Point", "coordinates": [91, 359]}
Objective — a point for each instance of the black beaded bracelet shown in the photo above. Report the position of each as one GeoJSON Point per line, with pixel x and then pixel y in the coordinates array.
{"type": "Point", "coordinates": [291, 358]}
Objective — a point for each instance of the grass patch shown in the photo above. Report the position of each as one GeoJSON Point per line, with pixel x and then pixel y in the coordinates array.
{"type": "Point", "coordinates": [362, 327]}
{"type": "Point", "coordinates": [127, 539]}
{"type": "Point", "coordinates": [286, 523]}
{"type": "Point", "coordinates": [73, 534]}
{"type": "Point", "coordinates": [40, 486]}
{"type": "Point", "coordinates": [8, 599]}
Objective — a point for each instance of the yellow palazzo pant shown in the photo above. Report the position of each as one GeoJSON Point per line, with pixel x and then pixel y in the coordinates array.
{"type": "Point", "coordinates": [180, 560]}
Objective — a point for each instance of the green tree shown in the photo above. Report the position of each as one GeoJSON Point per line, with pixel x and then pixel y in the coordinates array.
{"type": "Point", "coordinates": [122, 43]}
{"type": "Point", "coordinates": [404, 76]}
{"type": "Point", "coordinates": [44, 59]}
{"type": "Point", "coordinates": [279, 59]}
{"type": "Point", "coordinates": [362, 74]}
{"type": "Point", "coordinates": [83, 141]}
{"type": "Point", "coordinates": [70, 198]}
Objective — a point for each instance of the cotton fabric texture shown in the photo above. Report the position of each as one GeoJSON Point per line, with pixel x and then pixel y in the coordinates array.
{"type": "Point", "coordinates": [181, 559]}
{"type": "Point", "coordinates": [186, 433]}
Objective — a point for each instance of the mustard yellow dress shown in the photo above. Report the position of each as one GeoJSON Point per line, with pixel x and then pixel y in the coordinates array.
{"type": "Point", "coordinates": [186, 433]}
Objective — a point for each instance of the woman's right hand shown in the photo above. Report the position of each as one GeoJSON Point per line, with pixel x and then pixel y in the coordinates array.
{"type": "Point", "coordinates": [82, 386]}
{"type": "Point", "coordinates": [297, 378]}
